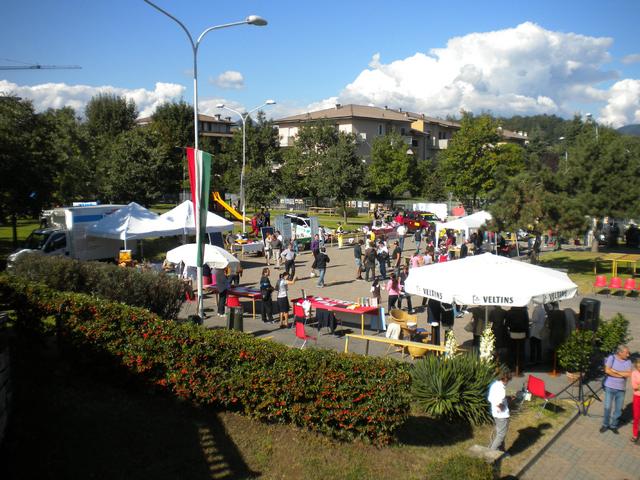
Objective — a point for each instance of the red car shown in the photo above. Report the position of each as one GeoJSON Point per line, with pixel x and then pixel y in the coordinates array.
{"type": "Point", "coordinates": [415, 220]}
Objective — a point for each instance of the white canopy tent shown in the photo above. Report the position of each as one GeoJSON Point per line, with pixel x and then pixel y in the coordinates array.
{"type": "Point", "coordinates": [181, 217]}
{"type": "Point", "coordinates": [489, 279]}
{"type": "Point", "coordinates": [215, 257]}
{"type": "Point", "coordinates": [132, 222]}
{"type": "Point", "coordinates": [470, 222]}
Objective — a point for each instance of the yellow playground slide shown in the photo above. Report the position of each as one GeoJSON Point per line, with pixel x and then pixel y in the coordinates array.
{"type": "Point", "coordinates": [218, 199]}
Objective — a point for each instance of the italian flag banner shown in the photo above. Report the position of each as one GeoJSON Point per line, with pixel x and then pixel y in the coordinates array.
{"type": "Point", "coordinates": [198, 157]}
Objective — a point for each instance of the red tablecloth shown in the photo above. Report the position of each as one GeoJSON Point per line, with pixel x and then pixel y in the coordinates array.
{"type": "Point", "coordinates": [333, 305]}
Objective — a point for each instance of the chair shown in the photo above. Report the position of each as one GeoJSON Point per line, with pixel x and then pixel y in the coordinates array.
{"type": "Point", "coordinates": [536, 387]}
{"type": "Point", "coordinates": [600, 283]}
{"type": "Point", "coordinates": [629, 285]}
{"type": "Point", "coordinates": [393, 333]}
{"type": "Point", "coordinates": [302, 335]}
{"type": "Point", "coordinates": [615, 284]}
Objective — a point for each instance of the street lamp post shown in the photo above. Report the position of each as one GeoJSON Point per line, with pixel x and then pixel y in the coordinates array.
{"type": "Point", "coordinates": [243, 118]}
{"type": "Point", "coordinates": [250, 20]}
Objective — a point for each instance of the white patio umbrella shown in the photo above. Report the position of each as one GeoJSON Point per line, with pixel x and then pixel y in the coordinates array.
{"type": "Point", "coordinates": [214, 256]}
{"type": "Point", "coordinates": [489, 279]}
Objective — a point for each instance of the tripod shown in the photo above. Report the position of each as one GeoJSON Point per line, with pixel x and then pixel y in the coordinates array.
{"type": "Point", "coordinates": [583, 406]}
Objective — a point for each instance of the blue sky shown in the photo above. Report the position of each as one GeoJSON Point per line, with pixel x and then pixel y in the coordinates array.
{"type": "Point", "coordinates": [512, 57]}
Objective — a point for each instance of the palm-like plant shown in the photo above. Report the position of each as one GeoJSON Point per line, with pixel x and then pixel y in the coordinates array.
{"type": "Point", "coordinates": [454, 388]}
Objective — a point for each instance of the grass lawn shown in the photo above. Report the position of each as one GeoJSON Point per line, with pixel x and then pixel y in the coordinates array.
{"type": "Point", "coordinates": [580, 266]}
{"type": "Point", "coordinates": [25, 227]}
{"type": "Point", "coordinates": [70, 422]}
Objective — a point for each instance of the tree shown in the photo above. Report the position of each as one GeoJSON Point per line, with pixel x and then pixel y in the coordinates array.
{"type": "Point", "coordinates": [174, 123]}
{"type": "Point", "coordinates": [468, 165]}
{"type": "Point", "coordinates": [302, 173]}
{"type": "Point", "coordinates": [392, 171]}
{"type": "Point", "coordinates": [108, 115]}
{"type": "Point", "coordinates": [74, 176]}
{"type": "Point", "coordinates": [137, 167]}
{"type": "Point", "coordinates": [344, 171]}
{"type": "Point", "coordinates": [26, 161]}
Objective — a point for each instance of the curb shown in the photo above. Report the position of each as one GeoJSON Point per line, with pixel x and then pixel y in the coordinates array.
{"type": "Point", "coordinates": [527, 464]}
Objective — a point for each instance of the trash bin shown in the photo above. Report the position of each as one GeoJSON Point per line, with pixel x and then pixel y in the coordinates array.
{"type": "Point", "coordinates": [195, 319]}
{"type": "Point", "coordinates": [238, 323]}
{"type": "Point", "coordinates": [234, 318]}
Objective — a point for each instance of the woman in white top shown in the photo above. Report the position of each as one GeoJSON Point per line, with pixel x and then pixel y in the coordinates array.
{"type": "Point", "coordinates": [268, 249]}
{"type": "Point", "coordinates": [282, 287]}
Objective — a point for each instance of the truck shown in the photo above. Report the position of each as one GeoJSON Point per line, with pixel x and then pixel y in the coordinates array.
{"type": "Point", "coordinates": [63, 232]}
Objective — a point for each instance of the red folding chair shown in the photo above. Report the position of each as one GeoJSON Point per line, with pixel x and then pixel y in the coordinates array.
{"type": "Point", "coordinates": [302, 335]}
{"type": "Point", "coordinates": [536, 387]}
{"type": "Point", "coordinates": [600, 283]}
{"type": "Point", "coordinates": [629, 286]}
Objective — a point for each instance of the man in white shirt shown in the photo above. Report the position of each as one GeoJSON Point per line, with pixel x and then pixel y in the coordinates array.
{"type": "Point", "coordinates": [499, 409]}
{"type": "Point", "coordinates": [402, 231]}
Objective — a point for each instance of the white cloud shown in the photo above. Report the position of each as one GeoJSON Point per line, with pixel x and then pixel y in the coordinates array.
{"type": "Point", "coordinates": [633, 58]}
{"type": "Point", "coordinates": [623, 106]}
{"type": "Point", "coordinates": [524, 70]}
{"type": "Point", "coordinates": [57, 95]}
{"type": "Point", "coordinates": [229, 79]}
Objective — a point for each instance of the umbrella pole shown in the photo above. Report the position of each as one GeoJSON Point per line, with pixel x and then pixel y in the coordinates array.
{"type": "Point", "coordinates": [554, 373]}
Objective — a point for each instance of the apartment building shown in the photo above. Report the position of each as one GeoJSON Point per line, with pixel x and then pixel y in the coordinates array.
{"type": "Point", "coordinates": [208, 126]}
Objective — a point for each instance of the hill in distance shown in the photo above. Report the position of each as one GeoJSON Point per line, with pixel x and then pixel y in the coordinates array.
{"type": "Point", "coordinates": [630, 129]}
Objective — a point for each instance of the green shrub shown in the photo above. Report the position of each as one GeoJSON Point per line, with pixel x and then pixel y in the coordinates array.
{"type": "Point", "coordinates": [156, 292]}
{"type": "Point", "coordinates": [575, 354]}
{"type": "Point", "coordinates": [454, 388]}
{"type": "Point", "coordinates": [344, 396]}
{"type": "Point", "coordinates": [460, 467]}
{"type": "Point", "coordinates": [613, 333]}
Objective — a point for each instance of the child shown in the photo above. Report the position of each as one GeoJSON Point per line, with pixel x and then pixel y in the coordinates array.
{"type": "Point", "coordinates": [375, 292]}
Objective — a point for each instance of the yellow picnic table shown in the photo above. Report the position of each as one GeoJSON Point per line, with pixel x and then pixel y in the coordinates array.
{"type": "Point", "coordinates": [617, 259]}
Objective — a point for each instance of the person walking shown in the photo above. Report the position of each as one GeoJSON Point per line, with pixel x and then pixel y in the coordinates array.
{"type": "Point", "coordinates": [276, 245]}
{"type": "Point", "coordinates": [404, 273]}
{"type": "Point", "coordinates": [315, 245]}
{"type": "Point", "coordinates": [289, 257]}
{"type": "Point", "coordinates": [265, 292]}
{"type": "Point", "coordinates": [321, 265]}
{"type": "Point", "coordinates": [417, 237]}
{"type": "Point", "coordinates": [375, 292]}
{"type": "Point", "coordinates": [499, 409]}
{"type": "Point", "coordinates": [401, 231]}
{"type": "Point", "coordinates": [340, 234]}
{"type": "Point", "coordinates": [370, 255]}
{"type": "Point", "coordinates": [383, 258]}
{"type": "Point", "coordinates": [396, 255]}
{"type": "Point", "coordinates": [268, 249]}
{"type": "Point", "coordinates": [617, 368]}
{"type": "Point", "coordinates": [393, 289]}
{"type": "Point", "coordinates": [357, 255]}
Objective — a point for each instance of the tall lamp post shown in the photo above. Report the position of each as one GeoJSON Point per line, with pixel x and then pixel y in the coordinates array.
{"type": "Point", "coordinates": [244, 152]}
{"type": "Point", "coordinates": [250, 20]}
{"type": "Point", "coordinates": [591, 120]}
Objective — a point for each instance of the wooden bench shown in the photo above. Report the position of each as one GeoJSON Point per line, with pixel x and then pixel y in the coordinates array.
{"type": "Point", "coordinates": [389, 341]}
{"type": "Point", "coordinates": [322, 210]}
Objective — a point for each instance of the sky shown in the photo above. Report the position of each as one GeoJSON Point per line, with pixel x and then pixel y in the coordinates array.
{"type": "Point", "coordinates": [561, 57]}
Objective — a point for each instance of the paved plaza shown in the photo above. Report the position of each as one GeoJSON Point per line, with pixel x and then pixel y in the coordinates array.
{"type": "Point", "coordinates": [579, 452]}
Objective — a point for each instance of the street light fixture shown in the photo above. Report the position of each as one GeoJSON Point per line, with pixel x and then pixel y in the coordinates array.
{"type": "Point", "coordinates": [250, 20]}
{"type": "Point", "coordinates": [244, 151]}
{"type": "Point", "coordinates": [591, 120]}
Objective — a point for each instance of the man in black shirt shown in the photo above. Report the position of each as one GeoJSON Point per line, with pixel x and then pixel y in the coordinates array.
{"type": "Point", "coordinates": [397, 258]}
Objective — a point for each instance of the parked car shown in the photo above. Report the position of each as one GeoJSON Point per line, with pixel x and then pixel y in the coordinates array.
{"type": "Point", "coordinates": [416, 220]}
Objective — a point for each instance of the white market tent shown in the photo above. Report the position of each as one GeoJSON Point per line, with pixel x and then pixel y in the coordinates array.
{"type": "Point", "coordinates": [132, 222]}
{"type": "Point", "coordinates": [181, 217]}
{"type": "Point", "coordinates": [214, 256]}
{"type": "Point", "coordinates": [470, 222]}
{"type": "Point", "coordinates": [489, 279]}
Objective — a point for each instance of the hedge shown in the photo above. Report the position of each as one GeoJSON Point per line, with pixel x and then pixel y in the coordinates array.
{"type": "Point", "coordinates": [340, 395]}
{"type": "Point", "coordinates": [157, 292]}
